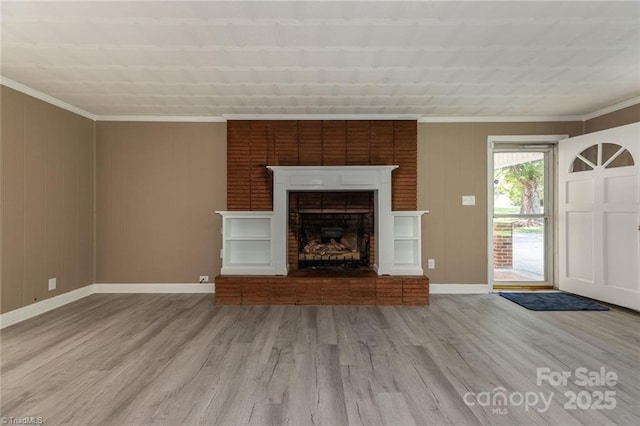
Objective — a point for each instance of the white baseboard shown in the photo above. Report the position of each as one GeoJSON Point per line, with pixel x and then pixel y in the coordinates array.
{"type": "Point", "coordinates": [155, 288]}
{"type": "Point", "coordinates": [458, 288]}
{"type": "Point", "coordinates": [35, 309]}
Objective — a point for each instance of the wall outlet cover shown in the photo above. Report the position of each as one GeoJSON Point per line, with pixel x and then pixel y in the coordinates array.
{"type": "Point", "coordinates": [431, 264]}
{"type": "Point", "coordinates": [52, 283]}
{"type": "Point", "coordinates": [204, 278]}
{"type": "Point", "coordinates": [468, 200]}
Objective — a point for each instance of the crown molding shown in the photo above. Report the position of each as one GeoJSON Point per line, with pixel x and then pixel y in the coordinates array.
{"type": "Point", "coordinates": [164, 118]}
{"type": "Point", "coordinates": [224, 117]}
{"type": "Point", "coordinates": [507, 119]}
{"type": "Point", "coordinates": [46, 98]}
{"type": "Point", "coordinates": [321, 116]}
{"type": "Point", "coordinates": [612, 108]}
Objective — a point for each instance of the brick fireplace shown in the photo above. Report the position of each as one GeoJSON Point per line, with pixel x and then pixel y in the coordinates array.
{"type": "Point", "coordinates": [328, 233]}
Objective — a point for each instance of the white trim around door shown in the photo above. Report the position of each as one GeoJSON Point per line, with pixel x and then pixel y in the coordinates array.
{"type": "Point", "coordinates": [521, 140]}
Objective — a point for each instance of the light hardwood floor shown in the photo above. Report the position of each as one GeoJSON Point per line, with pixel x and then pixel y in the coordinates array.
{"type": "Point", "coordinates": [178, 359]}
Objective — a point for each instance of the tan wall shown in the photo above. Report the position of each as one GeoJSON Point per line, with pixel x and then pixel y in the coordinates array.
{"type": "Point", "coordinates": [47, 200]}
{"type": "Point", "coordinates": [452, 161]}
{"type": "Point", "coordinates": [614, 119]}
{"type": "Point", "coordinates": [158, 185]}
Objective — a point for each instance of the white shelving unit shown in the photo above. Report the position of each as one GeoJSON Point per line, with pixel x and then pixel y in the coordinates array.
{"type": "Point", "coordinates": [407, 236]}
{"type": "Point", "coordinates": [247, 243]}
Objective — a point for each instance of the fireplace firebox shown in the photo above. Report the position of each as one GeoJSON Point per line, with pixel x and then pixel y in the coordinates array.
{"type": "Point", "coordinates": [334, 240]}
{"type": "Point", "coordinates": [331, 230]}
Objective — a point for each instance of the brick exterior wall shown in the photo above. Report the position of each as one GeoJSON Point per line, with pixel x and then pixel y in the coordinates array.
{"type": "Point", "coordinates": [502, 245]}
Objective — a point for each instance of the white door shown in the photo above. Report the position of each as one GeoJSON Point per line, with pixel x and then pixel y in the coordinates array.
{"type": "Point", "coordinates": [599, 219]}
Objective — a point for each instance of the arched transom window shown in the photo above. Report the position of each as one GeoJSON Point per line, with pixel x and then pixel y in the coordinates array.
{"type": "Point", "coordinates": [603, 155]}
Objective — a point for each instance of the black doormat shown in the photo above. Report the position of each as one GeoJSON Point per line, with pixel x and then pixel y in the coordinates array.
{"type": "Point", "coordinates": [553, 302]}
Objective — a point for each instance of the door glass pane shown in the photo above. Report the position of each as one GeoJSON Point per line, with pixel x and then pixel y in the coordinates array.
{"type": "Point", "coordinates": [623, 160]}
{"type": "Point", "coordinates": [580, 166]}
{"type": "Point", "coordinates": [608, 150]}
{"type": "Point", "coordinates": [591, 154]}
{"type": "Point", "coordinates": [518, 183]}
{"type": "Point", "coordinates": [518, 249]}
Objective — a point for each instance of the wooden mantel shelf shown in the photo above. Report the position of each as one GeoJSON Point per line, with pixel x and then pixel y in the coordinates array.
{"type": "Point", "coordinates": [316, 289]}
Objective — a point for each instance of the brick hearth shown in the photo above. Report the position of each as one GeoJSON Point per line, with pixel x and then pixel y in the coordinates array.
{"type": "Point", "coordinates": [322, 289]}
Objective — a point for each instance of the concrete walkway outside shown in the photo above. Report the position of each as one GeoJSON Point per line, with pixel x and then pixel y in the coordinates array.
{"type": "Point", "coordinates": [528, 259]}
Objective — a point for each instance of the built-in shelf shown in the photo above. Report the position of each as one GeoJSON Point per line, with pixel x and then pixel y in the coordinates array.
{"type": "Point", "coordinates": [405, 225]}
{"type": "Point", "coordinates": [407, 253]}
{"type": "Point", "coordinates": [247, 246]}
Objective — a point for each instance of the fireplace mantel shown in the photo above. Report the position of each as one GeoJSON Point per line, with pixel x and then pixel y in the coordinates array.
{"type": "Point", "coordinates": [342, 178]}
{"type": "Point", "coordinates": [333, 178]}
{"type": "Point", "coordinates": [398, 233]}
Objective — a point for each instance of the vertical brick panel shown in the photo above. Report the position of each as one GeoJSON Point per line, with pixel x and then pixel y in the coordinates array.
{"type": "Point", "coordinates": [358, 135]}
{"type": "Point", "coordinates": [334, 143]}
{"type": "Point", "coordinates": [238, 165]}
{"type": "Point", "coordinates": [404, 155]}
{"type": "Point", "coordinates": [309, 143]}
{"type": "Point", "coordinates": [285, 143]}
{"type": "Point", "coordinates": [381, 144]}
{"type": "Point", "coordinates": [261, 145]}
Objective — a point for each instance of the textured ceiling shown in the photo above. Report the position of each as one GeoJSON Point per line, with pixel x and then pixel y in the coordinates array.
{"type": "Point", "coordinates": [425, 58]}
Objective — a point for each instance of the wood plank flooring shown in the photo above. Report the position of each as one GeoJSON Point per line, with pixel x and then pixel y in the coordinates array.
{"type": "Point", "coordinates": [140, 359]}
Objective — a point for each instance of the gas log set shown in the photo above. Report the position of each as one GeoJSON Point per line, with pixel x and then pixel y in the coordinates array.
{"type": "Point", "coordinates": [315, 250]}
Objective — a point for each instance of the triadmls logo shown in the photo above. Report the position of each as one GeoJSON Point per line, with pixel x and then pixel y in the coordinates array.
{"type": "Point", "coordinates": [598, 397]}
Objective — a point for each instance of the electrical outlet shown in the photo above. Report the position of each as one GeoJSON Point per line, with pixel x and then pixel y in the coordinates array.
{"type": "Point", "coordinates": [52, 284]}
{"type": "Point", "coordinates": [204, 278]}
{"type": "Point", "coordinates": [431, 264]}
